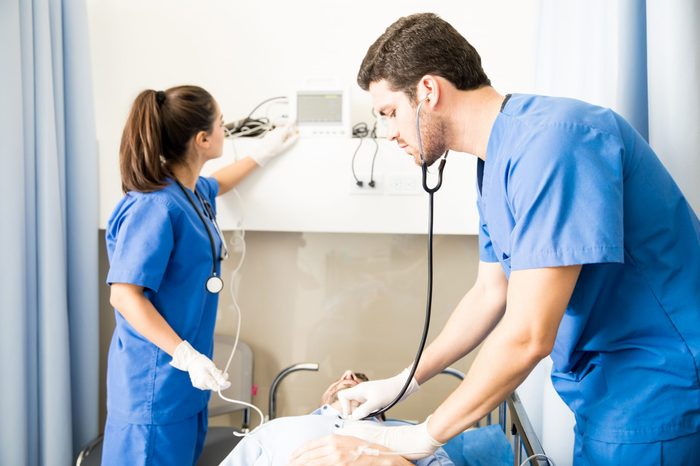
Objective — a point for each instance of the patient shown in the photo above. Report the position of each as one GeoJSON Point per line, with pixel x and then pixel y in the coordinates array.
{"type": "Point", "coordinates": [274, 442]}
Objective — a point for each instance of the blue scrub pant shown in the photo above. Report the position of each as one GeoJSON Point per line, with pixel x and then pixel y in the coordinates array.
{"type": "Point", "coordinates": [176, 444]}
{"type": "Point", "coordinates": [683, 450]}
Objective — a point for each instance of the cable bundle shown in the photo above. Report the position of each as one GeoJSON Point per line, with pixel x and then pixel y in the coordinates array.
{"type": "Point", "coordinates": [361, 130]}
{"type": "Point", "coordinates": [249, 127]}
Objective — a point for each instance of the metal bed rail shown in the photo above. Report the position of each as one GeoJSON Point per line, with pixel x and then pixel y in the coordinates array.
{"type": "Point", "coordinates": [522, 434]}
{"type": "Point", "coordinates": [272, 402]}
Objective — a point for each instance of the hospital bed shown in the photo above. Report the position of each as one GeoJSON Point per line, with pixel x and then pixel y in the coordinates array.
{"type": "Point", "coordinates": [510, 416]}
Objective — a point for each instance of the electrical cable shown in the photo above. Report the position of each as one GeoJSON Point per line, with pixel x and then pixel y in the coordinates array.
{"type": "Point", "coordinates": [361, 130]}
{"type": "Point", "coordinates": [237, 311]}
{"type": "Point", "coordinates": [374, 159]}
{"type": "Point", "coordinates": [249, 126]}
{"type": "Point", "coordinates": [358, 182]}
{"type": "Point", "coordinates": [538, 456]}
{"type": "Point", "coordinates": [373, 135]}
{"type": "Point", "coordinates": [279, 97]}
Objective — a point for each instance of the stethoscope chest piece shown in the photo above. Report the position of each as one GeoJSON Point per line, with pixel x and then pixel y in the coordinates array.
{"type": "Point", "coordinates": [214, 284]}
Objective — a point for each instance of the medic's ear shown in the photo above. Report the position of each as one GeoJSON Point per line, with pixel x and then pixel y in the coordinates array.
{"type": "Point", "coordinates": [201, 137]}
{"type": "Point", "coordinates": [428, 86]}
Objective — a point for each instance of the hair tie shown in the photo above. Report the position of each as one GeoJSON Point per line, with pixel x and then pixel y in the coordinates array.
{"type": "Point", "coordinates": [160, 97]}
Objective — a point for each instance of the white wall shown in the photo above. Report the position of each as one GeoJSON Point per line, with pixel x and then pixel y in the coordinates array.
{"type": "Point", "coordinates": [311, 189]}
{"type": "Point", "coordinates": [244, 52]}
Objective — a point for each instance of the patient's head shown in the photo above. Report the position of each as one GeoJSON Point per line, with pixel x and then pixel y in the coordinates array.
{"type": "Point", "coordinates": [347, 380]}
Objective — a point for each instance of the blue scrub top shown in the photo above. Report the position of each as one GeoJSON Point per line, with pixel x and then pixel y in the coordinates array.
{"type": "Point", "coordinates": [567, 183]}
{"type": "Point", "coordinates": [156, 240]}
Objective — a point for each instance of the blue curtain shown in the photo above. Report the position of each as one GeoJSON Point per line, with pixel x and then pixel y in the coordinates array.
{"type": "Point", "coordinates": [48, 237]}
{"type": "Point", "coordinates": [638, 57]}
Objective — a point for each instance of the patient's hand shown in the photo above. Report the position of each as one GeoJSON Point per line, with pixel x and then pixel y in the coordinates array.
{"type": "Point", "coordinates": [343, 450]}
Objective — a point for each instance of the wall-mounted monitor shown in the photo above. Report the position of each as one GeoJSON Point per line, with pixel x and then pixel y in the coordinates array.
{"type": "Point", "coordinates": [321, 112]}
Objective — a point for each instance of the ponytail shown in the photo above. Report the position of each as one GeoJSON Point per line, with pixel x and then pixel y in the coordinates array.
{"type": "Point", "coordinates": [157, 132]}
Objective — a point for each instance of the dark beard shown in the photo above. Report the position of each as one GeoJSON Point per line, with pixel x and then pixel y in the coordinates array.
{"type": "Point", "coordinates": [433, 132]}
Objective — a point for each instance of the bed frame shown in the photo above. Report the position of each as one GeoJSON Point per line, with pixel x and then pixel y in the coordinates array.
{"type": "Point", "coordinates": [515, 425]}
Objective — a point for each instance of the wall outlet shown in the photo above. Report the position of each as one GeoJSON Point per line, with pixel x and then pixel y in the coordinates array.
{"type": "Point", "coordinates": [404, 184]}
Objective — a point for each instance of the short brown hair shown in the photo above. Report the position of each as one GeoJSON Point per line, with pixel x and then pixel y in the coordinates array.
{"type": "Point", "coordinates": [159, 127]}
{"type": "Point", "coordinates": [417, 45]}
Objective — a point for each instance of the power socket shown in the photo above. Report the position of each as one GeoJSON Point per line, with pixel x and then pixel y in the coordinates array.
{"type": "Point", "coordinates": [404, 184]}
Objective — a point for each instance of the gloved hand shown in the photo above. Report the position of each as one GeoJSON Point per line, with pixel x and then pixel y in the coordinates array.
{"type": "Point", "coordinates": [203, 373]}
{"type": "Point", "coordinates": [412, 442]}
{"type": "Point", "coordinates": [274, 143]}
{"type": "Point", "coordinates": [374, 395]}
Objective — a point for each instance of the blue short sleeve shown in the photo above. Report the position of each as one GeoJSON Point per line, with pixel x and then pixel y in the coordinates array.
{"type": "Point", "coordinates": [565, 189]}
{"type": "Point", "coordinates": [209, 188]}
{"type": "Point", "coordinates": [486, 252]}
{"type": "Point", "coordinates": [142, 240]}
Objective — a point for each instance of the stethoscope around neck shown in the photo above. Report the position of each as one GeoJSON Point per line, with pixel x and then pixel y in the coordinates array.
{"type": "Point", "coordinates": [214, 283]}
{"type": "Point", "coordinates": [429, 303]}
{"type": "Point", "coordinates": [424, 164]}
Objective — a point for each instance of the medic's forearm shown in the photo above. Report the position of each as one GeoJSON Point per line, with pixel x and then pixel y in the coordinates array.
{"type": "Point", "coordinates": [537, 301]}
{"type": "Point", "coordinates": [474, 317]}
{"type": "Point", "coordinates": [143, 316]}
{"type": "Point", "coordinates": [503, 363]}
{"type": "Point", "coordinates": [230, 175]}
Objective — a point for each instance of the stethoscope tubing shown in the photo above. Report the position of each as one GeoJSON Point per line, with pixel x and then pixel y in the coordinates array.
{"type": "Point", "coordinates": [429, 302]}
{"type": "Point", "coordinates": [212, 242]}
{"type": "Point", "coordinates": [212, 217]}
{"type": "Point", "coordinates": [424, 164]}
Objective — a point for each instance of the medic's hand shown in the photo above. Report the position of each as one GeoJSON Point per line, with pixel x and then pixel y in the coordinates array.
{"type": "Point", "coordinates": [203, 373]}
{"type": "Point", "coordinates": [374, 395]}
{"type": "Point", "coordinates": [274, 143]}
{"type": "Point", "coordinates": [412, 442]}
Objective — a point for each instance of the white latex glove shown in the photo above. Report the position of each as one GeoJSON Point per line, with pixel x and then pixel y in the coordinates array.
{"type": "Point", "coordinates": [203, 373]}
{"type": "Point", "coordinates": [412, 442]}
{"type": "Point", "coordinates": [274, 143]}
{"type": "Point", "coordinates": [374, 395]}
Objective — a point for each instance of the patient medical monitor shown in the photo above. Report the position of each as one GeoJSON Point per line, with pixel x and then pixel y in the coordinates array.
{"type": "Point", "coordinates": [321, 111]}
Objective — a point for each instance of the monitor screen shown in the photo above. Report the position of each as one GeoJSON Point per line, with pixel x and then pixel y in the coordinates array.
{"type": "Point", "coordinates": [320, 108]}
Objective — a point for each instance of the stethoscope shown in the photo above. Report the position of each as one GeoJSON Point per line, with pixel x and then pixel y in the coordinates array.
{"type": "Point", "coordinates": [428, 306]}
{"type": "Point", "coordinates": [214, 283]}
